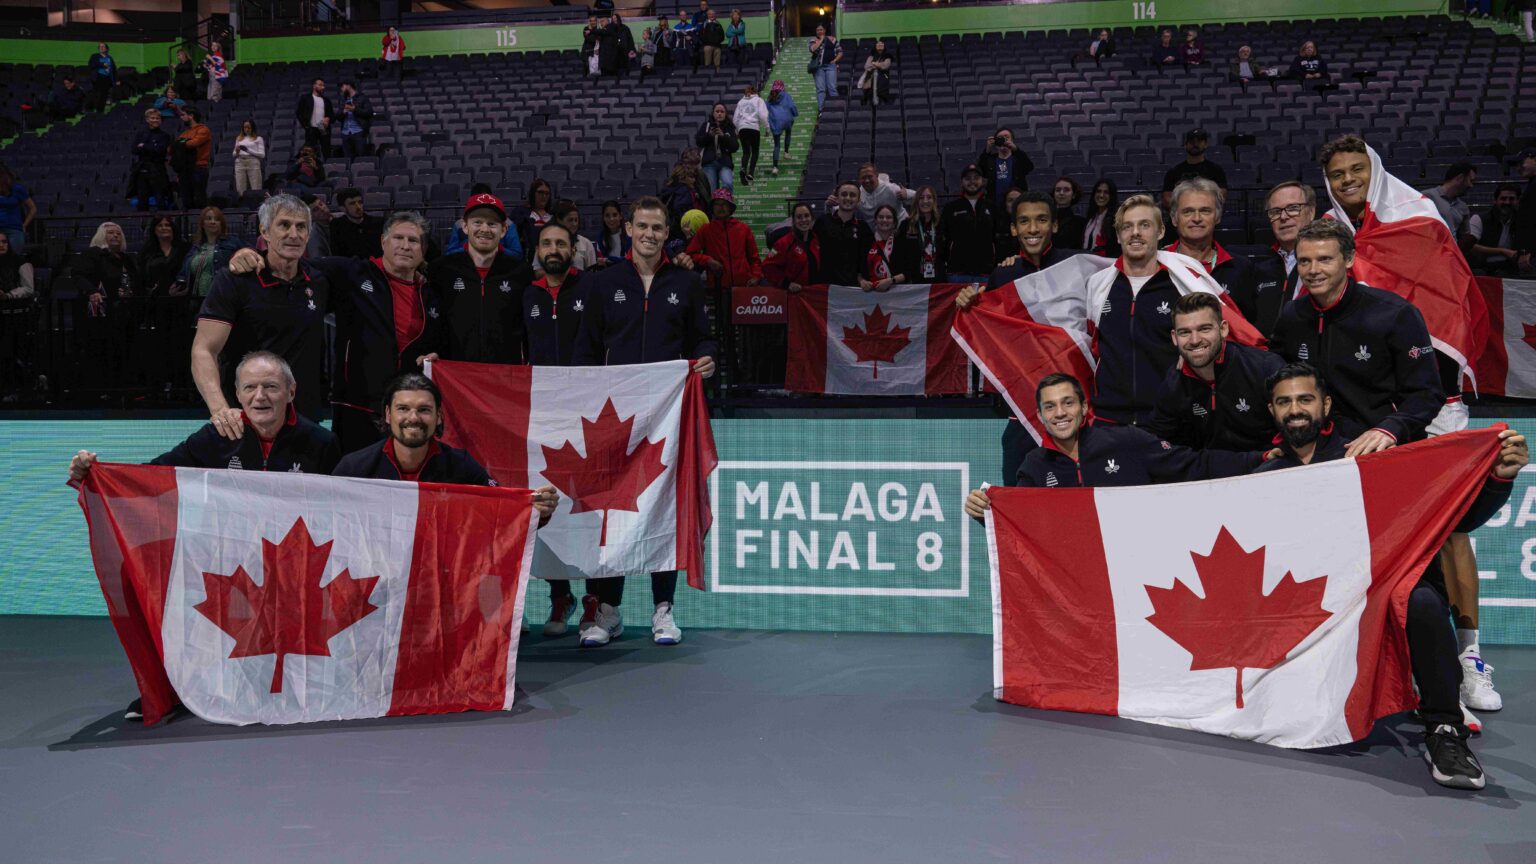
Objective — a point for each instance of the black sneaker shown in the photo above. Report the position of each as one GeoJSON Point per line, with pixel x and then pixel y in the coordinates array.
{"type": "Point", "coordinates": [135, 710]}
{"type": "Point", "coordinates": [1451, 762]}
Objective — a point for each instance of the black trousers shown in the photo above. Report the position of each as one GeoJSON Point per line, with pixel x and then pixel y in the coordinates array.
{"type": "Point", "coordinates": [1017, 442]}
{"type": "Point", "coordinates": [1432, 655]}
{"type": "Point", "coordinates": [751, 146]}
{"type": "Point", "coordinates": [611, 590]}
{"type": "Point", "coordinates": [193, 183]}
{"type": "Point", "coordinates": [354, 146]}
{"type": "Point", "coordinates": [354, 428]}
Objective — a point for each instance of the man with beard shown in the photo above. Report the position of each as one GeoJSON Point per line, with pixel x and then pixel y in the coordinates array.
{"type": "Point", "coordinates": [356, 234]}
{"type": "Point", "coordinates": [1196, 142]}
{"type": "Point", "coordinates": [1196, 210]}
{"type": "Point", "coordinates": [482, 289]}
{"type": "Point", "coordinates": [844, 239]}
{"type": "Point", "coordinates": [1493, 233]}
{"type": "Point", "coordinates": [644, 309]}
{"type": "Point", "coordinates": [966, 228]}
{"type": "Point", "coordinates": [1214, 397]}
{"type": "Point", "coordinates": [1300, 404]}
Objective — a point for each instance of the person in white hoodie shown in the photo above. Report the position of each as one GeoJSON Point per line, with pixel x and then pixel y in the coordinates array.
{"type": "Point", "coordinates": [751, 119]}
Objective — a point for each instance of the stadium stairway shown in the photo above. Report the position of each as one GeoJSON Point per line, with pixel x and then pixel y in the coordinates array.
{"type": "Point", "coordinates": [764, 202]}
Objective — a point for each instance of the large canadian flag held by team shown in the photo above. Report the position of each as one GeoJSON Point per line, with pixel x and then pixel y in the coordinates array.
{"type": "Point", "coordinates": [1507, 365]}
{"type": "Point", "coordinates": [1221, 606]}
{"type": "Point", "coordinates": [847, 340]}
{"type": "Point", "coordinates": [628, 447]}
{"type": "Point", "coordinates": [287, 598]}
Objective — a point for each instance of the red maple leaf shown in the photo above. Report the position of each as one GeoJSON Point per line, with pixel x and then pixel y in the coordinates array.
{"type": "Point", "coordinates": [288, 613]}
{"type": "Point", "coordinates": [874, 342]}
{"type": "Point", "coordinates": [1530, 334]}
{"type": "Point", "coordinates": [611, 476]}
{"type": "Point", "coordinates": [1236, 624]}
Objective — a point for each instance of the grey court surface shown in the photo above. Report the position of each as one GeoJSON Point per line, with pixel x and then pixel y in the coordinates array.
{"type": "Point", "coordinates": [737, 746]}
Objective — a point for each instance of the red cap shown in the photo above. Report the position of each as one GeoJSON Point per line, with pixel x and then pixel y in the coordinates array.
{"type": "Point", "coordinates": [485, 199]}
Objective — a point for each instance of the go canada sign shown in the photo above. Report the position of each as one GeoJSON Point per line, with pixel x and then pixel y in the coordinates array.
{"type": "Point", "coordinates": [879, 529]}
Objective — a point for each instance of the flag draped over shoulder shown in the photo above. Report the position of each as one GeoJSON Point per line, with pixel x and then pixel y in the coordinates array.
{"type": "Point", "coordinates": [844, 339]}
{"type": "Point", "coordinates": [1403, 246]}
{"type": "Point", "coordinates": [1217, 606]}
{"type": "Point", "coordinates": [628, 447]}
{"type": "Point", "coordinates": [282, 598]}
{"type": "Point", "coordinates": [1044, 323]}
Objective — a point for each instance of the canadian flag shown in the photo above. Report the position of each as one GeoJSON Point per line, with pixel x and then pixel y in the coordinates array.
{"type": "Point", "coordinates": [289, 598]}
{"type": "Point", "coordinates": [847, 340]}
{"type": "Point", "coordinates": [1044, 323]}
{"type": "Point", "coordinates": [1403, 246]}
{"type": "Point", "coordinates": [1220, 607]}
{"type": "Point", "coordinates": [1507, 365]}
{"type": "Point", "coordinates": [629, 448]}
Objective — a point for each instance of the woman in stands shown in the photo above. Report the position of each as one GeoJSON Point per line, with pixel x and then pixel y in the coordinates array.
{"type": "Point", "coordinates": [161, 258]}
{"type": "Point", "coordinates": [891, 260]}
{"type": "Point", "coordinates": [612, 240]}
{"type": "Point", "coordinates": [160, 262]}
{"type": "Point", "coordinates": [751, 118]}
{"type": "Point", "coordinates": [184, 74]}
{"type": "Point", "coordinates": [796, 253]}
{"type": "Point", "coordinates": [393, 54]}
{"type": "Point", "coordinates": [1099, 228]}
{"type": "Point", "coordinates": [717, 141]}
{"type": "Point", "coordinates": [212, 245]}
{"type": "Point", "coordinates": [1069, 225]}
{"type": "Point", "coordinates": [307, 170]}
{"type": "Point", "coordinates": [920, 234]}
{"type": "Point", "coordinates": [781, 120]}
{"type": "Point", "coordinates": [108, 278]}
{"type": "Point", "coordinates": [876, 80]}
{"type": "Point", "coordinates": [1308, 66]}
{"type": "Point", "coordinates": [250, 152]}
{"type": "Point", "coordinates": [825, 55]}
{"type": "Point", "coordinates": [1193, 50]}
{"type": "Point", "coordinates": [16, 277]}
{"type": "Point", "coordinates": [169, 104]}
{"type": "Point", "coordinates": [649, 45]}
{"type": "Point", "coordinates": [1102, 46]}
{"type": "Point", "coordinates": [535, 214]}
{"type": "Point", "coordinates": [103, 75]}
{"type": "Point", "coordinates": [736, 38]}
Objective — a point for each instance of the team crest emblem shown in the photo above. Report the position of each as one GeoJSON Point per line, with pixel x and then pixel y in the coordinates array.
{"type": "Point", "coordinates": [1198, 409]}
{"type": "Point", "coordinates": [534, 313]}
{"type": "Point", "coordinates": [1050, 479]}
{"type": "Point", "coordinates": [295, 469]}
{"type": "Point", "coordinates": [618, 296]}
{"type": "Point", "coordinates": [506, 287]}
{"type": "Point", "coordinates": [1104, 310]}
{"type": "Point", "coordinates": [432, 312]}
{"type": "Point", "coordinates": [1163, 308]}
{"type": "Point", "coordinates": [672, 298]}
{"type": "Point", "coordinates": [367, 286]}
{"type": "Point", "coordinates": [1242, 405]}
{"type": "Point", "coordinates": [234, 463]}
{"type": "Point", "coordinates": [1110, 467]}
{"type": "Point", "coordinates": [1301, 353]}
{"type": "Point", "coordinates": [578, 307]}
{"type": "Point", "coordinates": [312, 304]}
{"type": "Point", "coordinates": [458, 284]}
{"type": "Point", "coordinates": [1363, 354]}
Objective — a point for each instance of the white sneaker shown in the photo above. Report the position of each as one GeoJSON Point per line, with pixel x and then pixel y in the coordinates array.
{"type": "Point", "coordinates": [1477, 683]}
{"type": "Point", "coordinates": [1469, 720]}
{"type": "Point", "coordinates": [664, 631]}
{"type": "Point", "coordinates": [600, 623]}
{"type": "Point", "coordinates": [560, 616]}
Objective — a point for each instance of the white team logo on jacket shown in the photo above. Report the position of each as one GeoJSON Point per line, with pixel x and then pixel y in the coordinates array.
{"type": "Point", "coordinates": [618, 296]}
{"type": "Point", "coordinates": [295, 469]}
{"type": "Point", "coordinates": [672, 298]}
{"type": "Point", "coordinates": [458, 284]}
{"type": "Point", "coordinates": [534, 313]}
{"type": "Point", "coordinates": [1104, 310]}
{"type": "Point", "coordinates": [312, 305]}
{"type": "Point", "coordinates": [1050, 479]}
{"type": "Point", "coordinates": [1301, 353]}
{"type": "Point", "coordinates": [1242, 405]}
{"type": "Point", "coordinates": [234, 463]}
{"type": "Point", "coordinates": [1163, 308]}
{"type": "Point", "coordinates": [366, 287]}
{"type": "Point", "coordinates": [1198, 409]}
{"type": "Point", "coordinates": [431, 311]}
{"type": "Point", "coordinates": [1363, 354]}
{"type": "Point", "coordinates": [1110, 467]}
{"type": "Point", "coordinates": [577, 307]}
{"type": "Point", "coordinates": [506, 287]}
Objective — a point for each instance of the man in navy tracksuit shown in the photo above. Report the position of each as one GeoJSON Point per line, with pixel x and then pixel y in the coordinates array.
{"type": "Point", "coordinates": [1135, 325]}
{"type": "Point", "coordinates": [1370, 344]}
{"type": "Point", "coordinates": [643, 309]}
{"type": "Point", "coordinates": [1196, 209]}
{"type": "Point", "coordinates": [480, 290]}
{"type": "Point", "coordinates": [1215, 396]}
{"type": "Point", "coordinates": [1300, 405]}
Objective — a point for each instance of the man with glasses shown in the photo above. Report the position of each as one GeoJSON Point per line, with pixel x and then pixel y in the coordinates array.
{"type": "Point", "coordinates": [1289, 206]}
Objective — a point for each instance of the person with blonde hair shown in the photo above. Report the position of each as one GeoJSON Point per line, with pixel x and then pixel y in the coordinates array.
{"type": "Point", "coordinates": [751, 119]}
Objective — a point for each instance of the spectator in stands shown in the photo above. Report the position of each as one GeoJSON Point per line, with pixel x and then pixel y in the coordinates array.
{"type": "Point", "coordinates": [666, 43]}
{"type": "Point", "coordinates": [685, 50]}
{"type": "Point", "coordinates": [1102, 46]}
{"type": "Point", "coordinates": [717, 141]}
{"type": "Point", "coordinates": [1004, 166]}
{"type": "Point", "coordinates": [68, 99]}
{"type": "Point", "coordinates": [1069, 225]}
{"type": "Point", "coordinates": [1289, 206]}
{"type": "Point", "coordinates": [876, 189]}
{"type": "Point", "coordinates": [314, 111]}
{"type": "Point", "coordinates": [106, 273]}
{"type": "Point", "coordinates": [1246, 68]}
{"type": "Point", "coordinates": [169, 104]}
{"type": "Point", "coordinates": [148, 183]}
{"type": "Point", "coordinates": [1527, 10]}
{"type": "Point", "coordinates": [535, 214]}
{"type": "Point", "coordinates": [217, 72]}
{"type": "Point", "coordinates": [184, 74]}
{"type": "Point", "coordinates": [161, 258]}
{"type": "Point", "coordinates": [355, 117]}
{"type": "Point", "coordinates": [1525, 212]}
{"type": "Point", "coordinates": [1002, 229]}
{"type": "Point", "coordinates": [1165, 52]}
{"type": "Point", "coordinates": [612, 242]}
{"type": "Point", "coordinates": [1192, 52]}
{"type": "Point", "coordinates": [1308, 65]}
{"type": "Point", "coordinates": [1197, 207]}
{"type": "Point", "coordinates": [725, 247]}
{"type": "Point", "coordinates": [736, 38]}
{"type": "Point", "coordinates": [844, 238]}
{"type": "Point", "coordinates": [392, 54]}
{"type": "Point", "coordinates": [583, 251]}
{"type": "Point", "coordinates": [307, 171]}
{"type": "Point", "coordinates": [17, 209]}
{"type": "Point", "coordinates": [692, 223]}
{"type": "Point", "coordinates": [875, 83]}
{"type": "Point", "coordinates": [320, 219]}
{"type": "Point", "coordinates": [615, 46]}
{"type": "Point", "coordinates": [781, 120]}
{"type": "Point", "coordinates": [591, 35]}
{"type": "Point", "coordinates": [825, 55]}
{"type": "Point", "coordinates": [681, 192]}
{"type": "Point", "coordinates": [966, 231]}
{"type": "Point", "coordinates": [619, 328]}
{"type": "Point", "coordinates": [796, 254]}
{"type": "Point", "coordinates": [1449, 198]}
{"type": "Point", "coordinates": [711, 37]}
{"type": "Point", "coordinates": [357, 234]}
{"type": "Point", "coordinates": [1493, 236]}
{"type": "Point", "coordinates": [1099, 235]}
{"type": "Point", "coordinates": [920, 234]}
{"type": "Point", "coordinates": [1196, 142]}
{"type": "Point", "coordinates": [481, 288]}
{"type": "Point", "coordinates": [750, 119]}
{"type": "Point", "coordinates": [192, 154]}
{"type": "Point", "coordinates": [212, 245]}
{"type": "Point", "coordinates": [279, 308]}
{"type": "Point", "coordinates": [890, 257]}
{"type": "Point", "coordinates": [16, 275]}
{"type": "Point", "coordinates": [250, 154]}
{"type": "Point", "coordinates": [103, 75]}
{"type": "Point", "coordinates": [648, 47]}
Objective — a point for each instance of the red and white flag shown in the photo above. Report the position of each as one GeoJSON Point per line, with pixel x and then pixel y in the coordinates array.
{"type": "Point", "coordinates": [290, 598]}
{"type": "Point", "coordinates": [1218, 606]}
{"type": "Point", "coordinates": [1507, 365]}
{"type": "Point", "coordinates": [628, 447]}
{"type": "Point", "coordinates": [847, 340]}
{"type": "Point", "coordinates": [1403, 246]}
{"type": "Point", "coordinates": [1044, 323]}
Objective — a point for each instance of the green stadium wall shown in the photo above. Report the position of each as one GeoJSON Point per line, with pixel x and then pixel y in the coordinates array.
{"type": "Point", "coordinates": [911, 563]}
{"type": "Point", "coordinates": [51, 52]}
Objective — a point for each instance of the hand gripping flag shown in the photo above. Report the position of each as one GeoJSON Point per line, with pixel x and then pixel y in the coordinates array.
{"type": "Point", "coordinates": [1044, 323]}
{"type": "Point", "coordinates": [628, 447]}
{"type": "Point", "coordinates": [1219, 606]}
{"type": "Point", "coordinates": [1507, 365]}
{"type": "Point", "coordinates": [287, 598]}
{"type": "Point", "coordinates": [1403, 246]}
{"type": "Point", "coordinates": [847, 340]}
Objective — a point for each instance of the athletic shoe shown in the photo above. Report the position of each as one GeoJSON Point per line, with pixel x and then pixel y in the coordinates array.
{"type": "Point", "coordinates": [600, 623]}
{"type": "Point", "coordinates": [1469, 720]}
{"type": "Point", "coordinates": [560, 616]}
{"type": "Point", "coordinates": [664, 631]}
{"type": "Point", "coordinates": [1477, 683]}
{"type": "Point", "coordinates": [1451, 762]}
{"type": "Point", "coordinates": [774, 170]}
{"type": "Point", "coordinates": [135, 710]}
